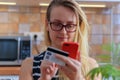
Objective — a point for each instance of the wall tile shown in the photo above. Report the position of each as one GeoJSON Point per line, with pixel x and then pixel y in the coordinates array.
{"type": "Point", "coordinates": [4, 17]}
{"type": "Point", "coordinates": [35, 27]}
{"type": "Point", "coordinates": [4, 28]}
{"type": "Point", "coordinates": [13, 17]}
{"type": "Point", "coordinates": [35, 9]}
{"type": "Point", "coordinates": [13, 27]}
{"type": "Point", "coordinates": [24, 27]}
{"type": "Point", "coordinates": [33, 17]}
{"type": "Point", "coordinates": [3, 8]}
{"type": "Point", "coordinates": [106, 19]}
{"type": "Point", "coordinates": [23, 18]}
{"type": "Point", "coordinates": [98, 19]}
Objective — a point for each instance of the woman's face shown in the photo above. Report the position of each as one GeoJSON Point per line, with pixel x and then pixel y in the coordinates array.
{"type": "Point", "coordinates": [61, 15]}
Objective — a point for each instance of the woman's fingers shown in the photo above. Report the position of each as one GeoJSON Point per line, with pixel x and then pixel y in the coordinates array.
{"type": "Point", "coordinates": [63, 58]}
{"type": "Point", "coordinates": [72, 67]}
{"type": "Point", "coordinates": [69, 62]}
{"type": "Point", "coordinates": [49, 67]}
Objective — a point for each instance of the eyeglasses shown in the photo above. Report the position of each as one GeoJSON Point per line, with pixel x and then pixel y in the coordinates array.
{"type": "Point", "coordinates": [57, 26]}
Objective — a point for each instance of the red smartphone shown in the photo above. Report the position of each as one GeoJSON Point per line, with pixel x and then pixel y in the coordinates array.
{"type": "Point", "coordinates": [71, 48]}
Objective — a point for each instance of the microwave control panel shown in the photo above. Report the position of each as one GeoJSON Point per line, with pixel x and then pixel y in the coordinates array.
{"type": "Point", "coordinates": [25, 49]}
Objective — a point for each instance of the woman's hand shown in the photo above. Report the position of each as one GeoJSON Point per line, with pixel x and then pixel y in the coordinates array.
{"type": "Point", "coordinates": [48, 70]}
{"type": "Point", "coordinates": [72, 68]}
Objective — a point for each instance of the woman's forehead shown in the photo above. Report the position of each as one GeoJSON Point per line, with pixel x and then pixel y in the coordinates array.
{"type": "Point", "coordinates": [62, 13]}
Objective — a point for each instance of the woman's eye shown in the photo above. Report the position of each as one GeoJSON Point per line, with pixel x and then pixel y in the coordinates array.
{"type": "Point", "coordinates": [57, 24]}
{"type": "Point", "coordinates": [70, 26]}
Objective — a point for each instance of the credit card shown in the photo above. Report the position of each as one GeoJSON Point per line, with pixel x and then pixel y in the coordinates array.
{"type": "Point", "coordinates": [50, 55]}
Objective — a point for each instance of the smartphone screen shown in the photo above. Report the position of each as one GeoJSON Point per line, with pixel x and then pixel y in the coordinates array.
{"type": "Point", "coordinates": [71, 48]}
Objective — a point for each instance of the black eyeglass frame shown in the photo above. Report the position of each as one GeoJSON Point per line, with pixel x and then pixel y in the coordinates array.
{"type": "Point", "coordinates": [61, 25]}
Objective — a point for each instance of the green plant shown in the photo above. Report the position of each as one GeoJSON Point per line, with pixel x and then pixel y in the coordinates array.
{"type": "Point", "coordinates": [106, 72]}
{"type": "Point", "coordinates": [115, 50]}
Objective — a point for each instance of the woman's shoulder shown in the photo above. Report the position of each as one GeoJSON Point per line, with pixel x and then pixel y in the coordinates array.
{"type": "Point", "coordinates": [92, 62]}
{"type": "Point", "coordinates": [39, 56]}
{"type": "Point", "coordinates": [26, 69]}
{"type": "Point", "coordinates": [27, 63]}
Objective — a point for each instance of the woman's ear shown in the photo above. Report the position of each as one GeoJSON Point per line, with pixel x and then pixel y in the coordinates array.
{"type": "Point", "coordinates": [46, 24]}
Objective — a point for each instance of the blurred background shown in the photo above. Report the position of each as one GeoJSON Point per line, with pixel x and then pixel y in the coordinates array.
{"type": "Point", "coordinates": [27, 17]}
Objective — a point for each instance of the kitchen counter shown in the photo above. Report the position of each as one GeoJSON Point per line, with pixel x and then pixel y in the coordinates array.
{"type": "Point", "coordinates": [9, 70]}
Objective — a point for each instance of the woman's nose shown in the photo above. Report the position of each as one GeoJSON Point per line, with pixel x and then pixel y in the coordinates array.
{"type": "Point", "coordinates": [63, 30]}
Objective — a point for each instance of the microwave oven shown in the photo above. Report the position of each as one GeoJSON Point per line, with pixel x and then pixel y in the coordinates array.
{"type": "Point", "coordinates": [14, 49]}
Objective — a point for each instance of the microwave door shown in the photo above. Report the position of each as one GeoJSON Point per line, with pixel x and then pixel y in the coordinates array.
{"type": "Point", "coordinates": [8, 51]}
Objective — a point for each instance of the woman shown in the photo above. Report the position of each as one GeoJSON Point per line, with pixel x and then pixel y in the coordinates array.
{"type": "Point", "coordinates": [65, 22]}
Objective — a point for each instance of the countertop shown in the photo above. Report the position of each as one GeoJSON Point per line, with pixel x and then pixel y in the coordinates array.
{"type": "Point", "coordinates": [9, 70]}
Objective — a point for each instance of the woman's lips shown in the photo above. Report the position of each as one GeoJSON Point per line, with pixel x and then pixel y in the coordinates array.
{"type": "Point", "coordinates": [62, 38]}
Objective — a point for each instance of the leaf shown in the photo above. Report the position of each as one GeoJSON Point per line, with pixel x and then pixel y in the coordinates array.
{"type": "Point", "coordinates": [106, 71]}
{"type": "Point", "coordinates": [117, 49]}
{"type": "Point", "coordinates": [107, 47]}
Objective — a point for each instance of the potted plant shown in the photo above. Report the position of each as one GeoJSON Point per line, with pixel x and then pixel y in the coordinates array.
{"type": "Point", "coordinates": [107, 72]}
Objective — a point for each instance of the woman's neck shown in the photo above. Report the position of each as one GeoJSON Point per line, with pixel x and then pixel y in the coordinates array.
{"type": "Point", "coordinates": [59, 47]}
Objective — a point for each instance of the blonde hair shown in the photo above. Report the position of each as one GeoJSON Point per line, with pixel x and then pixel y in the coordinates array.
{"type": "Point", "coordinates": [81, 35]}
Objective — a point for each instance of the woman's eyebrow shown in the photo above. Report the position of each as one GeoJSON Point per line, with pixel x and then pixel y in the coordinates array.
{"type": "Point", "coordinates": [60, 21]}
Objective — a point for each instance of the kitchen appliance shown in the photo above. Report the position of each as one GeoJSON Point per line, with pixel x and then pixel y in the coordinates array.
{"type": "Point", "coordinates": [14, 49]}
